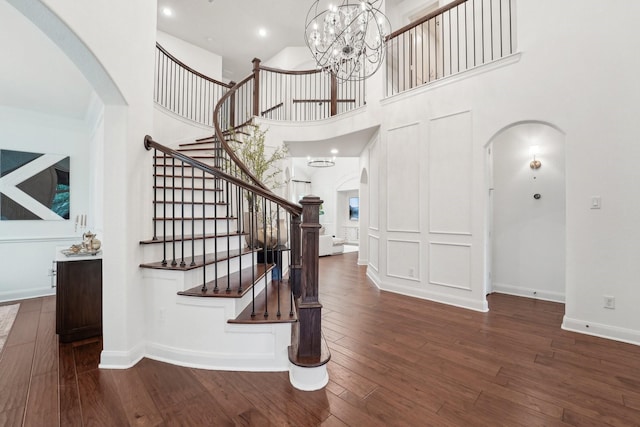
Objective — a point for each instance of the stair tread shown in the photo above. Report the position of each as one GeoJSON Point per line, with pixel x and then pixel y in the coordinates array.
{"type": "Point", "coordinates": [272, 308]}
{"type": "Point", "coordinates": [198, 218]}
{"type": "Point", "coordinates": [187, 150]}
{"type": "Point", "coordinates": [198, 260]}
{"type": "Point", "coordinates": [161, 165]}
{"type": "Point", "coordinates": [189, 238]}
{"type": "Point", "coordinates": [186, 177]}
{"type": "Point", "coordinates": [247, 277]}
{"type": "Point", "coordinates": [181, 188]}
{"type": "Point", "coordinates": [187, 202]}
{"type": "Point", "coordinates": [200, 156]}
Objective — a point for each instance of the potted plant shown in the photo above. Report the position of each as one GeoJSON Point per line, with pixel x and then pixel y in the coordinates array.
{"type": "Point", "coordinates": [265, 166]}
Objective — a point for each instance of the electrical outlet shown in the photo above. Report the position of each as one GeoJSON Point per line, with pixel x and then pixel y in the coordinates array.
{"type": "Point", "coordinates": [609, 302]}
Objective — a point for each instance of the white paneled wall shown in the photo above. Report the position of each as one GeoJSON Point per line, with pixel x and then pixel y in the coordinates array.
{"type": "Point", "coordinates": [403, 179]}
{"type": "Point", "coordinates": [450, 174]}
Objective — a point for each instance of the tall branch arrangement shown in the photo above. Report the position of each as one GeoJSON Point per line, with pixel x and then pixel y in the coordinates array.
{"type": "Point", "coordinates": [252, 152]}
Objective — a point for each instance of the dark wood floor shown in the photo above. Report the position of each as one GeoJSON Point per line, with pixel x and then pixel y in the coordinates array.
{"type": "Point", "coordinates": [395, 361]}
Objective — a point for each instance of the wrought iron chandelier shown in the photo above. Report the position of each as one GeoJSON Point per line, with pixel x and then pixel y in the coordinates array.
{"type": "Point", "coordinates": [347, 39]}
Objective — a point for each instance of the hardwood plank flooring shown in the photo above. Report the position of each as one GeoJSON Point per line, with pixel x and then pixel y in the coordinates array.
{"type": "Point", "coordinates": [396, 361]}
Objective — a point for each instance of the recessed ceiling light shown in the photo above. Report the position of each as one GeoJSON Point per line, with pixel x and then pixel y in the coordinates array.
{"type": "Point", "coordinates": [166, 11]}
{"type": "Point", "coordinates": [334, 151]}
{"type": "Point", "coordinates": [262, 32]}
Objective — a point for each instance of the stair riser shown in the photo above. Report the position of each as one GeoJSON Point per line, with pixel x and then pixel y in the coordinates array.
{"type": "Point", "coordinates": [172, 181]}
{"type": "Point", "coordinates": [174, 210]}
{"type": "Point", "coordinates": [154, 252]}
{"type": "Point", "coordinates": [160, 164]}
{"type": "Point", "coordinates": [195, 277]}
{"type": "Point", "coordinates": [193, 331]}
{"type": "Point", "coordinates": [175, 228]}
{"type": "Point", "coordinates": [209, 196]}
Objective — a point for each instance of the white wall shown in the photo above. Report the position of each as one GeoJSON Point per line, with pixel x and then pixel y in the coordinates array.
{"type": "Point", "coordinates": [558, 80]}
{"type": "Point", "coordinates": [170, 129]}
{"type": "Point", "coordinates": [113, 45]}
{"type": "Point", "coordinates": [528, 234]}
{"type": "Point", "coordinates": [201, 60]}
{"type": "Point", "coordinates": [27, 248]}
{"type": "Point", "coordinates": [292, 58]}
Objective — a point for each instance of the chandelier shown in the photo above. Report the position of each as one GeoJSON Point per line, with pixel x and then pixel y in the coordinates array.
{"type": "Point", "coordinates": [321, 162]}
{"type": "Point", "coordinates": [347, 39]}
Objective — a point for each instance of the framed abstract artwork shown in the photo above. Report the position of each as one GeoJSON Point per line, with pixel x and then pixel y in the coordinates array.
{"type": "Point", "coordinates": [33, 186]}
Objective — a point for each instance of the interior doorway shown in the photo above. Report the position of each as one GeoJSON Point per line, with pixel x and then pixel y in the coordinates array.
{"type": "Point", "coordinates": [527, 218]}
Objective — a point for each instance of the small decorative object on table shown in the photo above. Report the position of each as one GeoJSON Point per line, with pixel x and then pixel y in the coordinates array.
{"type": "Point", "coordinates": [89, 246]}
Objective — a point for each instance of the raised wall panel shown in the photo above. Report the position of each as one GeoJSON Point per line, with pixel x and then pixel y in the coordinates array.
{"type": "Point", "coordinates": [403, 259]}
{"type": "Point", "coordinates": [374, 252]}
{"type": "Point", "coordinates": [403, 179]}
{"type": "Point", "coordinates": [374, 187]}
{"type": "Point", "coordinates": [450, 174]}
{"type": "Point", "coordinates": [450, 265]}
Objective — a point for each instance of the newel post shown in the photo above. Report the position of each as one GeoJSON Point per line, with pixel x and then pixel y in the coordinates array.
{"type": "Point", "coordinates": [308, 352]}
{"type": "Point", "coordinates": [256, 86]}
{"type": "Point", "coordinates": [310, 309]}
{"type": "Point", "coordinates": [295, 275]}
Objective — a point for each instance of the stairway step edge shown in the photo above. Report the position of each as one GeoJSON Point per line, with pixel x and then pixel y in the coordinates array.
{"type": "Point", "coordinates": [259, 271]}
{"type": "Point", "coordinates": [198, 262]}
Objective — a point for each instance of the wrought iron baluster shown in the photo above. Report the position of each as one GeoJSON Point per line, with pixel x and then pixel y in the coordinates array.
{"type": "Point", "coordinates": [264, 244]}
{"type": "Point", "coordinates": [193, 228]}
{"type": "Point", "coordinates": [204, 234]}
{"type": "Point", "coordinates": [164, 208]}
{"type": "Point", "coordinates": [182, 263]}
{"type": "Point", "coordinates": [173, 211]}
{"type": "Point", "coordinates": [155, 194]}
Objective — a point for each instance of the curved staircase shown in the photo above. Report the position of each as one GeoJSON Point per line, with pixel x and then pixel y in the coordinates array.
{"type": "Point", "coordinates": [216, 298]}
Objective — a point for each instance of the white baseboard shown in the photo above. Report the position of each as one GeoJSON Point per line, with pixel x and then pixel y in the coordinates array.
{"type": "Point", "coordinates": [27, 294]}
{"type": "Point", "coordinates": [615, 333]}
{"type": "Point", "coordinates": [453, 300]}
{"type": "Point", "coordinates": [277, 361]}
{"type": "Point", "coordinates": [121, 359]}
{"type": "Point", "coordinates": [308, 379]}
{"type": "Point", "coordinates": [503, 288]}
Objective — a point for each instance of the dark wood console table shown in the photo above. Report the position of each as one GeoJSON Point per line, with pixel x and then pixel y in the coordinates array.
{"type": "Point", "coordinates": [78, 298]}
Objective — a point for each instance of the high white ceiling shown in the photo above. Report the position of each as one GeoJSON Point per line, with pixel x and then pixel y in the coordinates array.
{"type": "Point", "coordinates": [230, 28]}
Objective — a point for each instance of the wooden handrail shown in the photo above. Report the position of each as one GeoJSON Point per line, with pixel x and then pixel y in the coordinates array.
{"type": "Point", "coordinates": [425, 18]}
{"type": "Point", "coordinates": [275, 107]}
{"type": "Point", "coordinates": [191, 70]}
{"type": "Point", "coordinates": [290, 207]}
{"type": "Point", "coordinates": [220, 135]}
{"type": "Point", "coordinates": [292, 72]}
{"type": "Point", "coordinates": [301, 101]}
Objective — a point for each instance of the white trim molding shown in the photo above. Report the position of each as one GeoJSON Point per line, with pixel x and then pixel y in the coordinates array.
{"type": "Point", "coordinates": [541, 294]}
{"type": "Point", "coordinates": [615, 333]}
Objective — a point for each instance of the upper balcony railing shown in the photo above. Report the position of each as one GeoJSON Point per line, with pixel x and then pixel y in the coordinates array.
{"type": "Point", "coordinates": [185, 91]}
{"type": "Point", "coordinates": [267, 92]}
{"type": "Point", "coordinates": [455, 38]}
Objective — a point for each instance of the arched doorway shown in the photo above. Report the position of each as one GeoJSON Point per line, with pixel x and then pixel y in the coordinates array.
{"type": "Point", "coordinates": [527, 212]}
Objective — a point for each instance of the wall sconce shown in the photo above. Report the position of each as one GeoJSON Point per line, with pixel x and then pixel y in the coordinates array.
{"type": "Point", "coordinates": [535, 164]}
